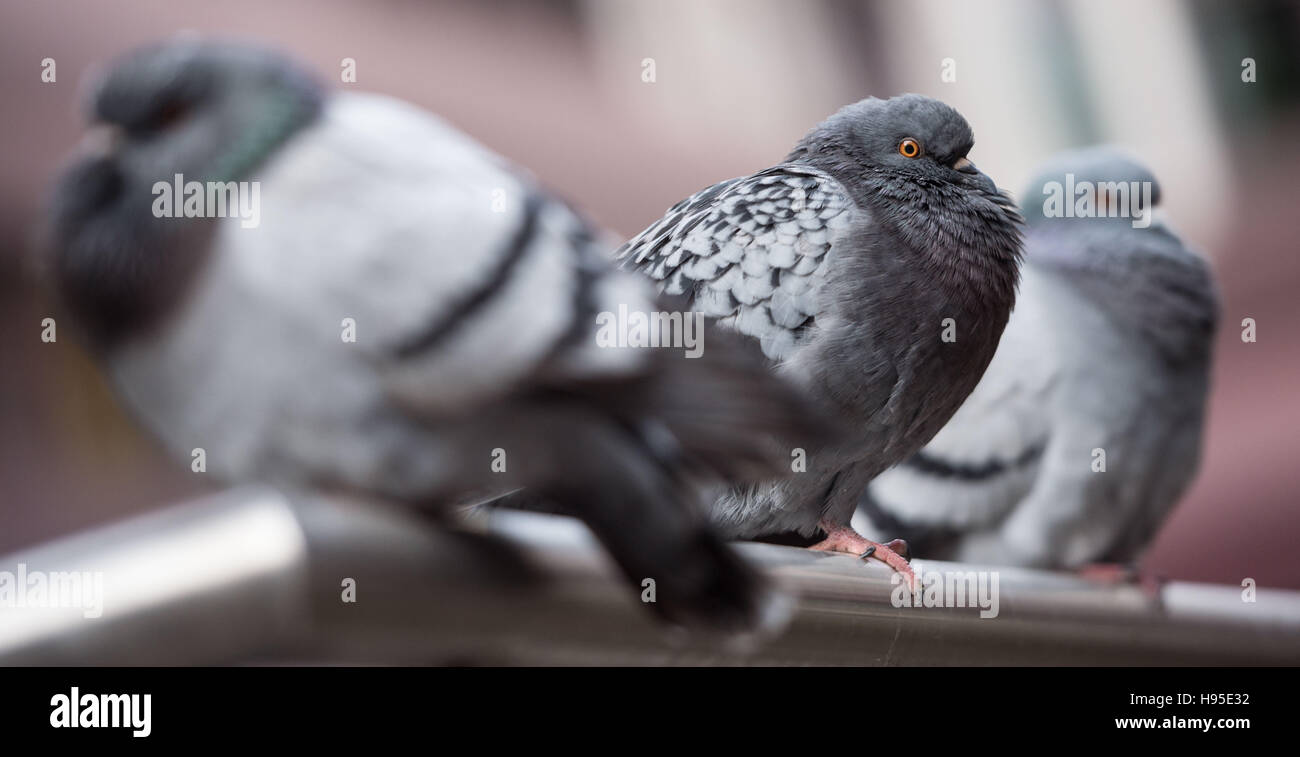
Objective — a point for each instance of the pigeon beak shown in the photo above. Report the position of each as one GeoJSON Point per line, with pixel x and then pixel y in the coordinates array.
{"type": "Point", "coordinates": [964, 165]}
{"type": "Point", "coordinates": [101, 141]}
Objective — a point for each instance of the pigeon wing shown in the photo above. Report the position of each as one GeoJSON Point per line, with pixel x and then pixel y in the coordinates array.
{"type": "Point", "coordinates": [750, 252]}
{"type": "Point", "coordinates": [466, 280]}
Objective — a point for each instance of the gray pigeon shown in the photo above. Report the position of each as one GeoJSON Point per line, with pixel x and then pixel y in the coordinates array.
{"type": "Point", "coordinates": [876, 267]}
{"type": "Point", "coordinates": [1086, 428]}
{"type": "Point", "coordinates": [409, 318]}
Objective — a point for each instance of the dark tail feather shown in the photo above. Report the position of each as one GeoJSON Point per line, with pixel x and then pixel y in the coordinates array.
{"type": "Point", "coordinates": [653, 529]}
{"type": "Point", "coordinates": [632, 475]}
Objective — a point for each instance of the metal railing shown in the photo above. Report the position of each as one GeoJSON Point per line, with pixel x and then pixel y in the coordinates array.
{"type": "Point", "coordinates": [252, 576]}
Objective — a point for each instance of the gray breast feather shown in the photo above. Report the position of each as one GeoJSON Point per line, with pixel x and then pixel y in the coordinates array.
{"type": "Point", "coordinates": [750, 252]}
{"type": "Point", "coordinates": [986, 456]}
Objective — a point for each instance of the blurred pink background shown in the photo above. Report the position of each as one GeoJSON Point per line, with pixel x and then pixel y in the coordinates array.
{"type": "Point", "coordinates": [557, 86]}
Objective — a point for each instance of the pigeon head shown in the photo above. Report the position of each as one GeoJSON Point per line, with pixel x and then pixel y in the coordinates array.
{"type": "Point", "coordinates": [907, 159]}
{"type": "Point", "coordinates": [910, 138]}
{"type": "Point", "coordinates": [213, 109]}
{"type": "Point", "coordinates": [1113, 251]}
{"type": "Point", "coordinates": [1102, 182]}
{"type": "Point", "coordinates": [208, 111]}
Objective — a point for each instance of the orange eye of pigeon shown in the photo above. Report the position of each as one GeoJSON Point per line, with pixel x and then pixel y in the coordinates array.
{"type": "Point", "coordinates": [909, 148]}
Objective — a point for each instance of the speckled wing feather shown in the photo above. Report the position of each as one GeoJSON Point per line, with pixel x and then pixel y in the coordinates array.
{"type": "Point", "coordinates": [750, 252]}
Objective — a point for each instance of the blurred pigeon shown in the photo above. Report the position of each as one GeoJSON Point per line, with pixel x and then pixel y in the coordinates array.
{"type": "Point", "coordinates": [472, 298]}
{"type": "Point", "coordinates": [848, 262]}
{"type": "Point", "coordinates": [1108, 353]}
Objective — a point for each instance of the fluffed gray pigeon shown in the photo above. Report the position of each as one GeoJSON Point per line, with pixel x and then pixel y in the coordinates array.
{"type": "Point", "coordinates": [1086, 428]}
{"type": "Point", "coordinates": [850, 263]}
{"type": "Point", "coordinates": [472, 297]}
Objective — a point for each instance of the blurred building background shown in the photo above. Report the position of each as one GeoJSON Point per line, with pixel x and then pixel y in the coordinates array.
{"type": "Point", "coordinates": [561, 87]}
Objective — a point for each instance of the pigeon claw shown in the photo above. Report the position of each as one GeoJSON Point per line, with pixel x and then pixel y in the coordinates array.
{"type": "Point", "coordinates": [845, 539]}
{"type": "Point", "coordinates": [901, 549]}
